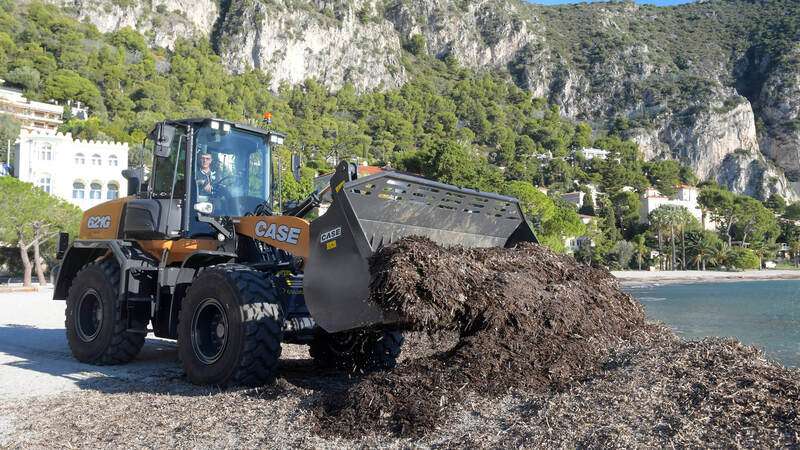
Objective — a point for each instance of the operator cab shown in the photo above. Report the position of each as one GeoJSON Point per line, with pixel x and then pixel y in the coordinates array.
{"type": "Point", "coordinates": [219, 168]}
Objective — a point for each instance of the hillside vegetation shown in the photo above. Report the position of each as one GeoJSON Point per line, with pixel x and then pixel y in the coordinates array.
{"type": "Point", "coordinates": [471, 128]}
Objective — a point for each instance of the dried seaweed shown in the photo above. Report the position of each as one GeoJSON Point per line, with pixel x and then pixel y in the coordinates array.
{"type": "Point", "coordinates": [526, 319]}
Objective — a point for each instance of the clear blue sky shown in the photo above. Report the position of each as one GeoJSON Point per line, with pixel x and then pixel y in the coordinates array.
{"type": "Point", "coordinates": [652, 2]}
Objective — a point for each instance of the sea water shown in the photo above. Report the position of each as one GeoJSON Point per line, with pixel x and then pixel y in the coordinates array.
{"type": "Point", "coordinates": [761, 313]}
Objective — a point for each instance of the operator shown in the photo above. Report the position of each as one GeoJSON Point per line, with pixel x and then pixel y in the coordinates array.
{"type": "Point", "coordinates": [205, 176]}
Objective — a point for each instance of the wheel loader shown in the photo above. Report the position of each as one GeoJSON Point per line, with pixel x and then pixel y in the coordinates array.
{"type": "Point", "coordinates": [196, 253]}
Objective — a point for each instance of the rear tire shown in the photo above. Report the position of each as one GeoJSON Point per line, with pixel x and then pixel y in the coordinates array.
{"type": "Point", "coordinates": [96, 327]}
{"type": "Point", "coordinates": [230, 327]}
{"type": "Point", "coordinates": [359, 351]}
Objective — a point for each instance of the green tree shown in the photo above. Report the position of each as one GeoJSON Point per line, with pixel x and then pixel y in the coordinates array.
{"type": "Point", "coordinates": [664, 176]}
{"type": "Point", "coordinates": [792, 211]}
{"type": "Point", "coordinates": [640, 250]}
{"type": "Point", "coordinates": [66, 85]}
{"type": "Point", "coordinates": [9, 132]}
{"type": "Point", "coordinates": [537, 206]}
{"type": "Point", "coordinates": [753, 220]}
{"type": "Point", "coordinates": [609, 222]}
{"type": "Point", "coordinates": [762, 249]}
{"type": "Point", "coordinates": [703, 247]}
{"type": "Point", "coordinates": [794, 247]}
{"type": "Point", "coordinates": [565, 223]}
{"type": "Point", "coordinates": [620, 255]}
{"type": "Point", "coordinates": [416, 45]}
{"type": "Point", "coordinates": [721, 204]}
{"type": "Point", "coordinates": [32, 217]}
{"type": "Point", "coordinates": [587, 207]}
{"type": "Point", "coordinates": [744, 258]}
{"type": "Point", "coordinates": [27, 77]}
{"type": "Point", "coordinates": [674, 220]}
{"type": "Point", "coordinates": [626, 207]}
{"type": "Point", "coordinates": [721, 254]}
{"type": "Point", "coordinates": [776, 204]}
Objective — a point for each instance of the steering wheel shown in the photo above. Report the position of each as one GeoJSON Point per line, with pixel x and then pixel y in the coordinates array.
{"type": "Point", "coordinates": [220, 184]}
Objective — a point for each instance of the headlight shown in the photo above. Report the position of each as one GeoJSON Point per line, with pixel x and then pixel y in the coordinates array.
{"type": "Point", "coordinates": [204, 207]}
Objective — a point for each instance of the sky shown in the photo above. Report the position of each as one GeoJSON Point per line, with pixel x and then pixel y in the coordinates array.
{"type": "Point", "coordinates": [651, 2]}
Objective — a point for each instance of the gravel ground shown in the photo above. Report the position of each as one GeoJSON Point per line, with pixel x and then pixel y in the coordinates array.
{"type": "Point", "coordinates": [661, 392]}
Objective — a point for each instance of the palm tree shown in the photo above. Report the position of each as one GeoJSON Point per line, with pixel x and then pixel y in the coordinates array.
{"type": "Point", "coordinates": [762, 249]}
{"type": "Point", "coordinates": [703, 249]}
{"type": "Point", "coordinates": [721, 254]}
{"type": "Point", "coordinates": [640, 249]}
{"type": "Point", "coordinates": [794, 246]}
{"type": "Point", "coordinates": [672, 219]}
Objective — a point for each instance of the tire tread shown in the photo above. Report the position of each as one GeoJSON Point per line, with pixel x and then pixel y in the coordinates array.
{"type": "Point", "coordinates": [124, 345]}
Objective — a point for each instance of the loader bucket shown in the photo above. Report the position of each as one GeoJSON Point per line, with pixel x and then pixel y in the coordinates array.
{"type": "Point", "coordinates": [374, 211]}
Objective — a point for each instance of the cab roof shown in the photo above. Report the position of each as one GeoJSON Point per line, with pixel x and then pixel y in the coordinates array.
{"type": "Point", "coordinates": [202, 120]}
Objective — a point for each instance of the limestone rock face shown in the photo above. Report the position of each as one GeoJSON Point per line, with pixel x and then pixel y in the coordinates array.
{"type": "Point", "coordinates": [779, 105]}
{"type": "Point", "coordinates": [485, 33]}
{"type": "Point", "coordinates": [722, 145]}
{"type": "Point", "coordinates": [334, 42]}
{"type": "Point", "coordinates": [163, 21]}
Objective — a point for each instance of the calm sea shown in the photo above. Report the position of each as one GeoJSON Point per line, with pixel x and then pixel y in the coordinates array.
{"type": "Point", "coordinates": [764, 313]}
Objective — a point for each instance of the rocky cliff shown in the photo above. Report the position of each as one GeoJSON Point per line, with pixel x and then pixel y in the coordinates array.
{"type": "Point", "coordinates": [704, 83]}
{"type": "Point", "coordinates": [163, 21]}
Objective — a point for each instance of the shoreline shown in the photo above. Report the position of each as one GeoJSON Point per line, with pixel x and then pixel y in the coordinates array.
{"type": "Point", "coordinates": [633, 277]}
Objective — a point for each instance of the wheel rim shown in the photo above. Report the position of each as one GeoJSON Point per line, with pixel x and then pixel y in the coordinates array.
{"type": "Point", "coordinates": [209, 331]}
{"type": "Point", "coordinates": [89, 316]}
{"type": "Point", "coordinates": [345, 343]}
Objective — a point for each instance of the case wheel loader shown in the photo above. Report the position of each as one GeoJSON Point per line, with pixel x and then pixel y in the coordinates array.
{"type": "Point", "coordinates": [196, 253]}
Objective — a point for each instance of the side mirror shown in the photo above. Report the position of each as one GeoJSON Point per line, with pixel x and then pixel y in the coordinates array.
{"type": "Point", "coordinates": [135, 180]}
{"type": "Point", "coordinates": [164, 136]}
{"type": "Point", "coordinates": [296, 165]}
{"type": "Point", "coordinates": [63, 245]}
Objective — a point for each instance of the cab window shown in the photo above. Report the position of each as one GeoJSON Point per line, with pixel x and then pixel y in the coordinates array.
{"type": "Point", "coordinates": [169, 173]}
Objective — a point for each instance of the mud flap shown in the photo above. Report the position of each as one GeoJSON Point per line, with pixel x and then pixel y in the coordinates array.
{"type": "Point", "coordinates": [371, 212]}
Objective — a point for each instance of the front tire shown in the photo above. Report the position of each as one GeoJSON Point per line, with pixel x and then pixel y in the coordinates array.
{"type": "Point", "coordinates": [359, 351]}
{"type": "Point", "coordinates": [96, 328]}
{"type": "Point", "coordinates": [230, 327]}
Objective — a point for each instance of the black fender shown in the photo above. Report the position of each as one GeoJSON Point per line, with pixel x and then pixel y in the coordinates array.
{"type": "Point", "coordinates": [81, 253]}
{"type": "Point", "coordinates": [127, 255]}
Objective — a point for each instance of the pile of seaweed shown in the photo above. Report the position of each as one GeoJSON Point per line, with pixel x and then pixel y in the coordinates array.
{"type": "Point", "coordinates": [576, 353]}
{"type": "Point", "coordinates": [525, 318]}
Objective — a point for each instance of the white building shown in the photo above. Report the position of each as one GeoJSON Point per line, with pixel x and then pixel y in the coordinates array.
{"type": "Point", "coordinates": [85, 173]}
{"type": "Point", "coordinates": [574, 198]}
{"type": "Point", "coordinates": [577, 197]}
{"type": "Point", "coordinates": [591, 153]}
{"type": "Point", "coordinates": [574, 243]}
{"type": "Point", "coordinates": [30, 114]}
{"type": "Point", "coordinates": [686, 197]}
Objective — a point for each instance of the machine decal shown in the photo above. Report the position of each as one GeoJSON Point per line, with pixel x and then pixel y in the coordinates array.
{"type": "Point", "coordinates": [98, 222]}
{"type": "Point", "coordinates": [330, 234]}
{"type": "Point", "coordinates": [330, 245]}
{"type": "Point", "coordinates": [103, 220]}
{"type": "Point", "coordinates": [282, 233]}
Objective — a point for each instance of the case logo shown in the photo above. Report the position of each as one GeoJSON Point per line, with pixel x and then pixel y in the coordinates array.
{"type": "Point", "coordinates": [330, 235]}
{"type": "Point", "coordinates": [282, 233]}
{"type": "Point", "coordinates": [98, 222]}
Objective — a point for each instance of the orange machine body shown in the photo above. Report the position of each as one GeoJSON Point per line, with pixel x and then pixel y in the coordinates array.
{"type": "Point", "coordinates": [287, 233]}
